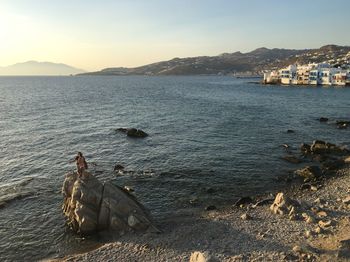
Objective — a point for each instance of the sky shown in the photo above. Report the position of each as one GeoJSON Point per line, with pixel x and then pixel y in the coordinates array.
{"type": "Point", "coordinates": [93, 35]}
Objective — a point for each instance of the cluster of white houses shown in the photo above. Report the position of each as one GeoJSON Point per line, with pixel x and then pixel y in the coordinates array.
{"type": "Point", "coordinates": [311, 74]}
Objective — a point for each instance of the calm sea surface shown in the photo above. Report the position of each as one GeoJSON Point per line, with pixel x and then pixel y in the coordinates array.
{"type": "Point", "coordinates": [205, 132]}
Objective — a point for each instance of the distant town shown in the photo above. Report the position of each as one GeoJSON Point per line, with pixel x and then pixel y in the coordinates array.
{"type": "Point", "coordinates": [310, 74]}
{"type": "Point", "coordinates": [334, 70]}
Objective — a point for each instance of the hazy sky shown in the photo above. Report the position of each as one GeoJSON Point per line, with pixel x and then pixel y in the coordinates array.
{"type": "Point", "coordinates": [103, 33]}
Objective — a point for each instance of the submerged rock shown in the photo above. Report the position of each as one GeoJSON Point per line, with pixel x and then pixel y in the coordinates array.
{"type": "Point", "coordinates": [309, 172]}
{"type": "Point", "coordinates": [323, 119]}
{"type": "Point", "coordinates": [133, 132]}
{"type": "Point", "coordinates": [91, 206]}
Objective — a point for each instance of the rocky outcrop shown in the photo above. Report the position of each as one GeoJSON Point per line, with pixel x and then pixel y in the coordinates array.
{"type": "Point", "coordinates": [133, 132]}
{"type": "Point", "coordinates": [322, 147]}
{"type": "Point", "coordinates": [91, 206]}
{"type": "Point", "coordinates": [283, 205]}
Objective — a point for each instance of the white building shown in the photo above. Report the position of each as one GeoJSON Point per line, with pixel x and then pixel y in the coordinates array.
{"type": "Point", "coordinates": [310, 74]}
{"type": "Point", "coordinates": [288, 74]}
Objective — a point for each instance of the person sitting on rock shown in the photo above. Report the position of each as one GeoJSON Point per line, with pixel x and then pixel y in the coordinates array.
{"type": "Point", "coordinates": [81, 164]}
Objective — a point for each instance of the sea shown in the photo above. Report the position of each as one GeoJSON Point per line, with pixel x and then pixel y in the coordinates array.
{"type": "Point", "coordinates": [212, 139]}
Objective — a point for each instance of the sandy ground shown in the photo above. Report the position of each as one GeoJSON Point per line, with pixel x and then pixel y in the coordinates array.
{"type": "Point", "coordinates": [227, 237]}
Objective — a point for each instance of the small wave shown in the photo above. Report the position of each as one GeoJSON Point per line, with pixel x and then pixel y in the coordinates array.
{"type": "Point", "coordinates": [15, 190]}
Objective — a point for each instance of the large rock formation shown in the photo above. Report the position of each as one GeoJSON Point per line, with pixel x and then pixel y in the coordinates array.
{"type": "Point", "coordinates": [91, 206]}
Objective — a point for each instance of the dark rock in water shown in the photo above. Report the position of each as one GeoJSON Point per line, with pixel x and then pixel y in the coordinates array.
{"type": "Point", "coordinates": [333, 164]}
{"type": "Point", "coordinates": [342, 126]}
{"type": "Point", "coordinates": [292, 159]}
{"type": "Point", "coordinates": [133, 132]}
{"type": "Point", "coordinates": [243, 201]}
{"type": "Point", "coordinates": [118, 167]}
{"type": "Point", "coordinates": [342, 122]}
{"type": "Point", "coordinates": [323, 119]}
{"type": "Point", "coordinates": [211, 207]}
{"type": "Point", "coordinates": [290, 131]}
{"type": "Point", "coordinates": [309, 172]}
{"type": "Point", "coordinates": [210, 190]}
{"type": "Point", "coordinates": [90, 206]}
{"type": "Point", "coordinates": [305, 149]}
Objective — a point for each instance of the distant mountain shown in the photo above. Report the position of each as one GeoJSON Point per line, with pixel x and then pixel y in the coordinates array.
{"type": "Point", "coordinates": [39, 68]}
{"type": "Point", "coordinates": [251, 63]}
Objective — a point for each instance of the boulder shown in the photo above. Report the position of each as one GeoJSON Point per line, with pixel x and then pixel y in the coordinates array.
{"type": "Point", "coordinates": [283, 205]}
{"type": "Point", "coordinates": [202, 257]}
{"type": "Point", "coordinates": [91, 206]}
{"type": "Point", "coordinates": [309, 172]}
{"type": "Point", "coordinates": [133, 132]}
{"type": "Point", "coordinates": [323, 119]}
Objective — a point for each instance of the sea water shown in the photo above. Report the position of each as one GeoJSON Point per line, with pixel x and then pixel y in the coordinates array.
{"type": "Point", "coordinates": [212, 139]}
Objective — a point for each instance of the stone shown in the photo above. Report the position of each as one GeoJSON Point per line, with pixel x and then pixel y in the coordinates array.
{"type": "Point", "coordinates": [246, 216]}
{"type": "Point", "coordinates": [91, 206]}
{"type": "Point", "coordinates": [282, 204]}
{"type": "Point", "coordinates": [325, 224]}
{"type": "Point", "coordinates": [346, 200]}
{"type": "Point", "coordinates": [308, 234]}
{"type": "Point", "coordinates": [318, 230]}
{"type": "Point", "coordinates": [202, 257]}
{"type": "Point", "coordinates": [321, 214]}
{"type": "Point", "coordinates": [290, 131]}
{"type": "Point", "coordinates": [323, 119]}
{"type": "Point", "coordinates": [297, 249]}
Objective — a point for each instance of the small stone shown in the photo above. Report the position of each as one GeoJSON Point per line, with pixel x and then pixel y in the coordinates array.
{"type": "Point", "coordinates": [202, 257]}
{"type": "Point", "coordinates": [313, 188]}
{"type": "Point", "coordinates": [308, 233]}
{"type": "Point", "coordinates": [297, 249]}
{"type": "Point", "coordinates": [246, 216]}
{"type": "Point", "coordinates": [346, 200]}
{"type": "Point", "coordinates": [318, 230]}
{"type": "Point", "coordinates": [325, 224]}
{"type": "Point", "coordinates": [321, 214]}
{"type": "Point", "coordinates": [128, 189]}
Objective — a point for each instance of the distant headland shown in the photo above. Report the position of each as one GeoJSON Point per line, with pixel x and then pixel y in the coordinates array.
{"type": "Point", "coordinates": [237, 64]}
{"type": "Point", "coordinates": [39, 68]}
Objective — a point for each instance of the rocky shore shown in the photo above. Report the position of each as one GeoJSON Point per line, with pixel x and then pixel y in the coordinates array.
{"type": "Point", "coordinates": [311, 224]}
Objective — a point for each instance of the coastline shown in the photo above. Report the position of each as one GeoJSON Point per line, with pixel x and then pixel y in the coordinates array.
{"type": "Point", "coordinates": [242, 233]}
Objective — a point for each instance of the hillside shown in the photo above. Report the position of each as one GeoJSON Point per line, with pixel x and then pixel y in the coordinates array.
{"type": "Point", "coordinates": [39, 68]}
{"type": "Point", "coordinates": [251, 63]}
